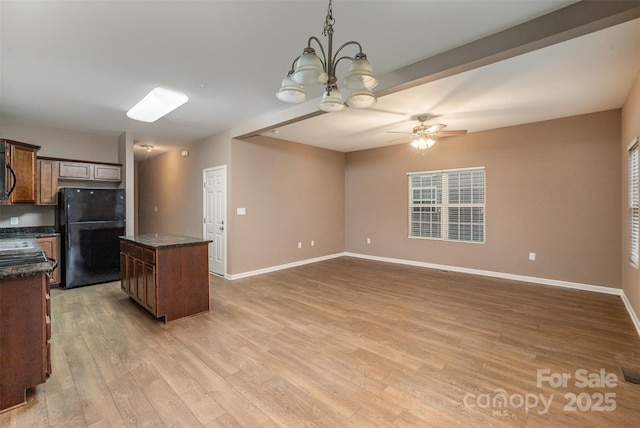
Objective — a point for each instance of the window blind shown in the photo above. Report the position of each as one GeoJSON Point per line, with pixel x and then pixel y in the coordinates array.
{"type": "Point", "coordinates": [448, 205]}
{"type": "Point", "coordinates": [634, 204]}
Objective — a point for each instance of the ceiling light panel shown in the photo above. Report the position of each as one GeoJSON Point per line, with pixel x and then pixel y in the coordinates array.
{"type": "Point", "coordinates": [156, 104]}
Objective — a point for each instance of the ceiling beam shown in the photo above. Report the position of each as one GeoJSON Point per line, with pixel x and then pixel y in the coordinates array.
{"type": "Point", "coordinates": [575, 20]}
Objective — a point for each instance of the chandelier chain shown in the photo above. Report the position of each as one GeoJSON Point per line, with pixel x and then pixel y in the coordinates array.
{"type": "Point", "coordinates": [328, 21]}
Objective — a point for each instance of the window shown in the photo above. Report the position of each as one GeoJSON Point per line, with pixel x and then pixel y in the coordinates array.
{"type": "Point", "coordinates": [448, 205]}
{"type": "Point", "coordinates": [633, 203]}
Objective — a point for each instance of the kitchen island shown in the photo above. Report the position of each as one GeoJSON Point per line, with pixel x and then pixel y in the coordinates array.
{"type": "Point", "coordinates": [25, 319]}
{"type": "Point", "coordinates": [166, 274]}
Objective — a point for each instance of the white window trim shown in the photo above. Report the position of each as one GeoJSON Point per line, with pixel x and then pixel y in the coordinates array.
{"type": "Point", "coordinates": [444, 218]}
{"type": "Point", "coordinates": [634, 203]}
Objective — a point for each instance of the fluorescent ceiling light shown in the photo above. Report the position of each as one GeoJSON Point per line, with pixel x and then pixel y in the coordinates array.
{"type": "Point", "coordinates": [156, 104]}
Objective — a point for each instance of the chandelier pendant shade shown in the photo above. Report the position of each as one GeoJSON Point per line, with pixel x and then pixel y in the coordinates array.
{"type": "Point", "coordinates": [310, 69]}
{"type": "Point", "coordinates": [291, 92]}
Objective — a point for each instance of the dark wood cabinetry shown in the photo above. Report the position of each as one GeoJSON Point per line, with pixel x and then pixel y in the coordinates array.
{"type": "Point", "coordinates": [47, 182]}
{"type": "Point", "coordinates": [138, 274]}
{"type": "Point", "coordinates": [22, 159]}
{"type": "Point", "coordinates": [51, 246]}
{"type": "Point", "coordinates": [53, 172]}
{"type": "Point", "coordinates": [25, 337]}
{"type": "Point", "coordinates": [170, 281]}
{"type": "Point", "coordinates": [74, 170]}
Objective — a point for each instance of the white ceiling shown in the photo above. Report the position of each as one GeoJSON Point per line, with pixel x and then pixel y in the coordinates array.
{"type": "Point", "coordinates": [82, 64]}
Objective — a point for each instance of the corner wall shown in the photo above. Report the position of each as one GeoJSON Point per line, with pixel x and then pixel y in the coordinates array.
{"type": "Point", "coordinates": [553, 188]}
{"type": "Point", "coordinates": [173, 184]}
{"type": "Point", "coordinates": [292, 193]}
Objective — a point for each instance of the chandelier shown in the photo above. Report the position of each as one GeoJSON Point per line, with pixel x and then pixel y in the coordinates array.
{"type": "Point", "coordinates": [309, 69]}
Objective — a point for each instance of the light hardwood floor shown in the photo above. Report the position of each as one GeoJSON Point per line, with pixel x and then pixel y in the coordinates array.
{"type": "Point", "coordinates": [345, 342]}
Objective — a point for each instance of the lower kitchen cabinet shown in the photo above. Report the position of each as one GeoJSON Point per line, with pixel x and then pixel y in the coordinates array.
{"type": "Point", "coordinates": [51, 247]}
{"type": "Point", "coordinates": [170, 281]}
{"type": "Point", "coordinates": [25, 337]}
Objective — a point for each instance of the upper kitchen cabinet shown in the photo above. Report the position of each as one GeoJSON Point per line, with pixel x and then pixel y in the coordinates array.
{"type": "Point", "coordinates": [47, 181]}
{"type": "Point", "coordinates": [21, 159]}
{"type": "Point", "coordinates": [74, 170]}
{"type": "Point", "coordinates": [54, 173]}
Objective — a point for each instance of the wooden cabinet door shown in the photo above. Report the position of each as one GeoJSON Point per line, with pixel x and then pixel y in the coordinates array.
{"type": "Point", "coordinates": [124, 273]}
{"type": "Point", "coordinates": [51, 247]}
{"type": "Point", "coordinates": [76, 170]}
{"type": "Point", "coordinates": [23, 162]}
{"type": "Point", "coordinates": [47, 182]}
{"type": "Point", "coordinates": [150, 287]}
{"type": "Point", "coordinates": [133, 281]}
{"type": "Point", "coordinates": [107, 172]}
{"type": "Point", "coordinates": [140, 280]}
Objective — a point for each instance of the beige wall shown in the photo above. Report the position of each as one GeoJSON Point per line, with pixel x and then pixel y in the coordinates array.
{"type": "Point", "coordinates": [62, 143]}
{"type": "Point", "coordinates": [553, 188]}
{"type": "Point", "coordinates": [630, 130]}
{"type": "Point", "coordinates": [54, 142]}
{"type": "Point", "coordinates": [292, 193]}
{"type": "Point", "coordinates": [173, 184]}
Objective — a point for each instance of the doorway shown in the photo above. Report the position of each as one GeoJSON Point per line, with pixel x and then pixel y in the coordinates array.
{"type": "Point", "coordinates": [215, 217]}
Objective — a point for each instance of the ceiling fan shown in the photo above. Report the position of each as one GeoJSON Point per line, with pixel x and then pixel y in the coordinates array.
{"type": "Point", "coordinates": [424, 136]}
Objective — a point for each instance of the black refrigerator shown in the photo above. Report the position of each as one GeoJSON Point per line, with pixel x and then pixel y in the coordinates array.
{"type": "Point", "coordinates": [90, 222]}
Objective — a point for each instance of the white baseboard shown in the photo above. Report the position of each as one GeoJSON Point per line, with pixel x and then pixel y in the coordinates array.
{"type": "Point", "coordinates": [284, 266]}
{"type": "Point", "coordinates": [514, 277]}
{"type": "Point", "coordinates": [632, 313]}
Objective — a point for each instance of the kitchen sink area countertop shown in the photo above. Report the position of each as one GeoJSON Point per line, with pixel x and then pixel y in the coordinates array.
{"type": "Point", "coordinates": [28, 232]}
{"type": "Point", "coordinates": [22, 257]}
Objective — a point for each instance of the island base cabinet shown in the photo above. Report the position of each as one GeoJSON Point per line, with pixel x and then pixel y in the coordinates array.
{"type": "Point", "coordinates": [170, 282]}
{"type": "Point", "coordinates": [25, 333]}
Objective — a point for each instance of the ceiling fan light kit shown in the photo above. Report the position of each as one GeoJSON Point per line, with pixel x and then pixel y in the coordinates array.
{"type": "Point", "coordinates": [309, 69]}
{"type": "Point", "coordinates": [421, 143]}
{"type": "Point", "coordinates": [424, 136]}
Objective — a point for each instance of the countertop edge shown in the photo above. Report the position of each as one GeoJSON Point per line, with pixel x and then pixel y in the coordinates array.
{"type": "Point", "coordinates": [164, 240]}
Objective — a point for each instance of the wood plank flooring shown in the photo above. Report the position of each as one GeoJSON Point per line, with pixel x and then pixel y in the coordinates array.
{"type": "Point", "coordinates": [340, 343]}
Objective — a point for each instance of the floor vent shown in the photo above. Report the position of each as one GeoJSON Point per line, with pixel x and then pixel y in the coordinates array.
{"type": "Point", "coordinates": [631, 376]}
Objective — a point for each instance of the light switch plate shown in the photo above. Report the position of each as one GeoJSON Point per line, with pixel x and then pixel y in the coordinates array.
{"type": "Point", "coordinates": [241, 211]}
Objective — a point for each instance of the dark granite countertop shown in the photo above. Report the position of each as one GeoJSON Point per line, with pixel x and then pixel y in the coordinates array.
{"type": "Point", "coordinates": [33, 264]}
{"type": "Point", "coordinates": [159, 240]}
{"type": "Point", "coordinates": [28, 232]}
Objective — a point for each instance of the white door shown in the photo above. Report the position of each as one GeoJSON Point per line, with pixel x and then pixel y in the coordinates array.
{"type": "Point", "coordinates": [215, 220]}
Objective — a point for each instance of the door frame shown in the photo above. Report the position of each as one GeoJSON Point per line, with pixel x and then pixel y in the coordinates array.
{"type": "Point", "coordinates": [204, 212]}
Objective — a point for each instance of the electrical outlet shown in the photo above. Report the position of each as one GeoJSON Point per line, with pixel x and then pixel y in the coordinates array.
{"type": "Point", "coordinates": [368, 241]}
{"type": "Point", "coordinates": [313, 243]}
{"type": "Point", "coordinates": [532, 256]}
{"type": "Point", "coordinates": [299, 244]}
{"type": "Point", "coordinates": [14, 221]}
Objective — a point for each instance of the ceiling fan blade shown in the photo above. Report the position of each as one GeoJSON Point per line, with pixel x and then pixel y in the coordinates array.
{"type": "Point", "coordinates": [436, 127]}
{"type": "Point", "coordinates": [449, 133]}
{"type": "Point", "coordinates": [398, 132]}
{"type": "Point", "coordinates": [396, 139]}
